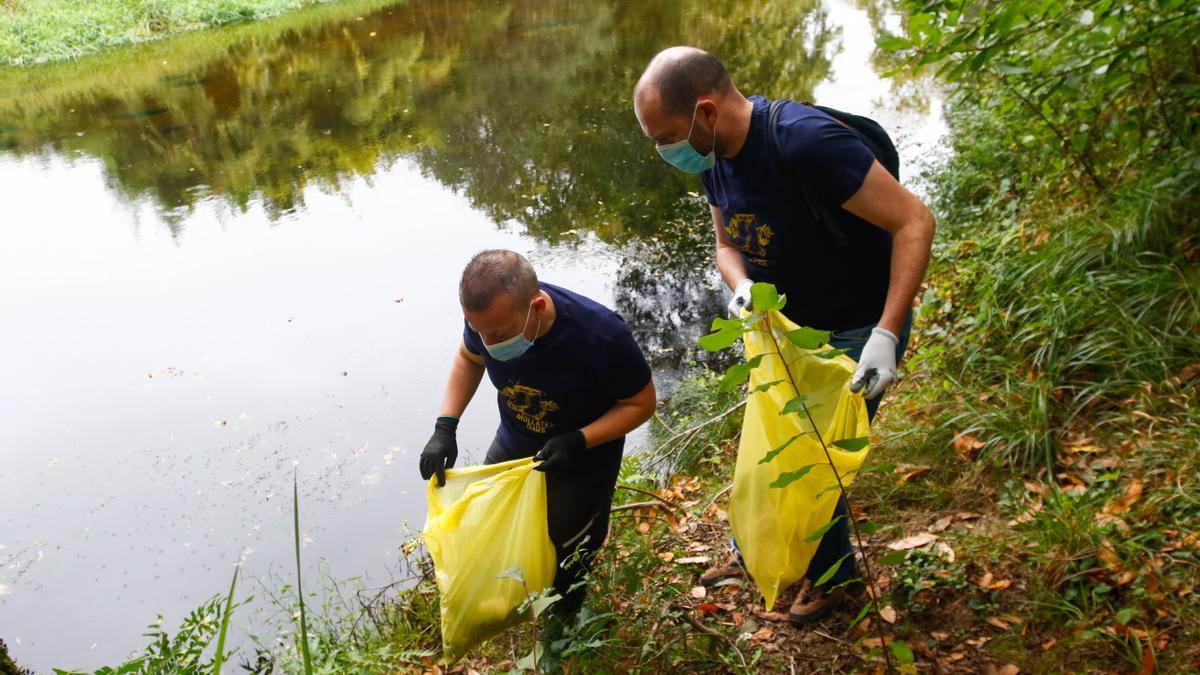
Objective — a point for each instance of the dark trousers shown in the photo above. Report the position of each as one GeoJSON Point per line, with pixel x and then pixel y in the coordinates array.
{"type": "Point", "coordinates": [578, 501]}
{"type": "Point", "coordinates": [835, 545]}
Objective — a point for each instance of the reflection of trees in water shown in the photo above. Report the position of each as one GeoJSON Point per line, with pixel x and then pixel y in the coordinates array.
{"type": "Point", "coordinates": [668, 290]}
{"type": "Point", "coordinates": [522, 107]}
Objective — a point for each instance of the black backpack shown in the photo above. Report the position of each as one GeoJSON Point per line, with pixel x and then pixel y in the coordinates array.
{"type": "Point", "coordinates": [872, 135]}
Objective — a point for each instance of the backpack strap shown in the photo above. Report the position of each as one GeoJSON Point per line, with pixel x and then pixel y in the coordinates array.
{"type": "Point", "coordinates": [821, 213]}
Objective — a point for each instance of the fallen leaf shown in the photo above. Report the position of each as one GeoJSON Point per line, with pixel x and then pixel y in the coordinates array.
{"type": "Point", "coordinates": [1130, 496]}
{"type": "Point", "coordinates": [997, 623]}
{"type": "Point", "coordinates": [764, 633]}
{"type": "Point", "coordinates": [943, 550]}
{"type": "Point", "coordinates": [737, 618]}
{"type": "Point", "coordinates": [769, 616]}
{"type": "Point", "coordinates": [644, 527]}
{"type": "Point", "coordinates": [875, 643]}
{"type": "Point", "coordinates": [978, 643]}
{"type": "Point", "coordinates": [967, 515]}
{"type": "Point", "coordinates": [707, 608]}
{"type": "Point", "coordinates": [1049, 643]}
{"type": "Point", "coordinates": [1028, 515]}
{"type": "Point", "coordinates": [1038, 488]}
{"type": "Point", "coordinates": [913, 473]}
{"type": "Point", "coordinates": [699, 592]}
{"type": "Point", "coordinates": [888, 614]}
{"type": "Point", "coordinates": [987, 581]}
{"type": "Point", "coordinates": [966, 445]}
{"type": "Point", "coordinates": [666, 556]}
{"type": "Point", "coordinates": [1108, 557]}
{"type": "Point", "coordinates": [941, 524]}
{"type": "Point", "coordinates": [1008, 669]}
{"type": "Point", "coordinates": [914, 541]}
{"type": "Point", "coordinates": [956, 656]}
{"type": "Point", "coordinates": [694, 560]}
{"type": "Point", "coordinates": [940, 635]}
{"type": "Point", "coordinates": [1088, 448]}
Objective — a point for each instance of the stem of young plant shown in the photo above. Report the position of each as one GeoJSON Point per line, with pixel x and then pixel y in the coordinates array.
{"type": "Point", "coordinates": [849, 512]}
{"type": "Point", "coordinates": [533, 619]}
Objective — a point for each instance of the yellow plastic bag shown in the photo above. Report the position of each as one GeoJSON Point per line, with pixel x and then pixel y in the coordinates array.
{"type": "Point", "coordinates": [770, 524]}
{"type": "Point", "coordinates": [486, 520]}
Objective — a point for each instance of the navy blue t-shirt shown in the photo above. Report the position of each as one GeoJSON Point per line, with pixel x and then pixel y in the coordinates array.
{"type": "Point", "coordinates": [828, 286]}
{"type": "Point", "coordinates": [570, 376]}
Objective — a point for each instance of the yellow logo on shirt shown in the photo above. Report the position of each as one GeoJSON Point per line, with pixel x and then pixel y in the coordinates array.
{"type": "Point", "coordinates": [529, 406]}
{"type": "Point", "coordinates": [750, 236]}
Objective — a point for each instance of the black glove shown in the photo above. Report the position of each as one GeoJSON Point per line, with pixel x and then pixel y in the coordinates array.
{"type": "Point", "coordinates": [441, 450]}
{"type": "Point", "coordinates": [555, 455]}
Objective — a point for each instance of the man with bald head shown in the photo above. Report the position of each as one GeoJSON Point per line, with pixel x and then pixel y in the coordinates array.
{"type": "Point", "coordinates": [818, 216]}
{"type": "Point", "coordinates": [571, 382]}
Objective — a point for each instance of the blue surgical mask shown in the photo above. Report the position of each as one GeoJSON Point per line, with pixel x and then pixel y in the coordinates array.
{"type": "Point", "coordinates": [515, 345]}
{"type": "Point", "coordinates": [684, 157]}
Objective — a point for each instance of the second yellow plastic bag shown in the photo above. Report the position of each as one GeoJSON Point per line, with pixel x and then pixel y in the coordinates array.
{"type": "Point", "coordinates": [771, 524]}
{"type": "Point", "coordinates": [486, 520]}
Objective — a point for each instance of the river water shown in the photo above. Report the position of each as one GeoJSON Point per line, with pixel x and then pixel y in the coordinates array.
{"type": "Point", "coordinates": [232, 255]}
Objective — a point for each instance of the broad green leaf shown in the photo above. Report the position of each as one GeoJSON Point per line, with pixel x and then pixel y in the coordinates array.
{"type": "Point", "coordinates": [891, 43]}
{"type": "Point", "coordinates": [727, 332]}
{"type": "Point", "coordinates": [775, 451]}
{"type": "Point", "coordinates": [1124, 616]}
{"type": "Point", "coordinates": [764, 297]}
{"type": "Point", "coordinates": [902, 651]}
{"type": "Point", "coordinates": [515, 573]}
{"type": "Point", "coordinates": [542, 601]}
{"type": "Point", "coordinates": [831, 571]}
{"type": "Point", "coordinates": [830, 353]}
{"type": "Point", "coordinates": [893, 558]}
{"type": "Point", "coordinates": [868, 527]}
{"type": "Point", "coordinates": [853, 444]}
{"type": "Point", "coordinates": [529, 661]}
{"type": "Point", "coordinates": [820, 531]}
{"type": "Point", "coordinates": [808, 338]}
{"type": "Point", "coordinates": [787, 478]}
{"type": "Point", "coordinates": [738, 373]}
{"type": "Point", "coordinates": [795, 405]}
{"type": "Point", "coordinates": [765, 386]}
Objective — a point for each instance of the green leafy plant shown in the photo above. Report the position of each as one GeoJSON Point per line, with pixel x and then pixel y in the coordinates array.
{"type": "Point", "coordinates": [726, 332]}
{"type": "Point", "coordinates": [535, 603]}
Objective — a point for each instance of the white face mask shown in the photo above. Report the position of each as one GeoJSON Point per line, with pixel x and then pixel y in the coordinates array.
{"type": "Point", "coordinates": [517, 344]}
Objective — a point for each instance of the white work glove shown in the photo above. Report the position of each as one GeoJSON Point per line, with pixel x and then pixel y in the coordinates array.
{"type": "Point", "coordinates": [877, 367]}
{"type": "Point", "coordinates": [741, 299]}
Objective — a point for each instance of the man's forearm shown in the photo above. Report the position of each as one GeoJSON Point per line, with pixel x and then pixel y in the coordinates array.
{"type": "Point", "coordinates": [465, 376]}
{"type": "Point", "coordinates": [910, 257]}
{"type": "Point", "coordinates": [622, 418]}
{"type": "Point", "coordinates": [730, 265]}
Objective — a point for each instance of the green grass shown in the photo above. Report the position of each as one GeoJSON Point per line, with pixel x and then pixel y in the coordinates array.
{"type": "Point", "coordinates": [41, 31]}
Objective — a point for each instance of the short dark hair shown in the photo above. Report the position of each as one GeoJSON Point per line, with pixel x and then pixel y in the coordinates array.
{"type": "Point", "coordinates": [492, 272]}
{"type": "Point", "coordinates": [684, 75]}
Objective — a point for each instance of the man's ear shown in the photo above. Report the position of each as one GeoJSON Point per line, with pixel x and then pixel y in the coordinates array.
{"type": "Point", "coordinates": [706, 108]}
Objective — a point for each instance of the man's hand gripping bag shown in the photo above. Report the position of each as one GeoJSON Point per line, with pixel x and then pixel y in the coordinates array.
{"type": "Point", "coordinates": [486, 520]}
{"type": "Point", "coordinates": [771, 524]}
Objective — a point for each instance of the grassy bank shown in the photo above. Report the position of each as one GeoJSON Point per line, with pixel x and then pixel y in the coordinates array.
{"type": "Point", "coordinates": [41, 31]}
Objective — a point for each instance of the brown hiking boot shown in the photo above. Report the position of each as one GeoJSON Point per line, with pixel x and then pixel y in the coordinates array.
{"type": "Point", "coordinates": [813, 603]}
{"type": "Point", "coordinates": [730, 569]}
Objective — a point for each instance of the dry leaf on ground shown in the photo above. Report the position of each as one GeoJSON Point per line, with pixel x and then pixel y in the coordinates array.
{"type": "Point", "coordinates": [915, 541]}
